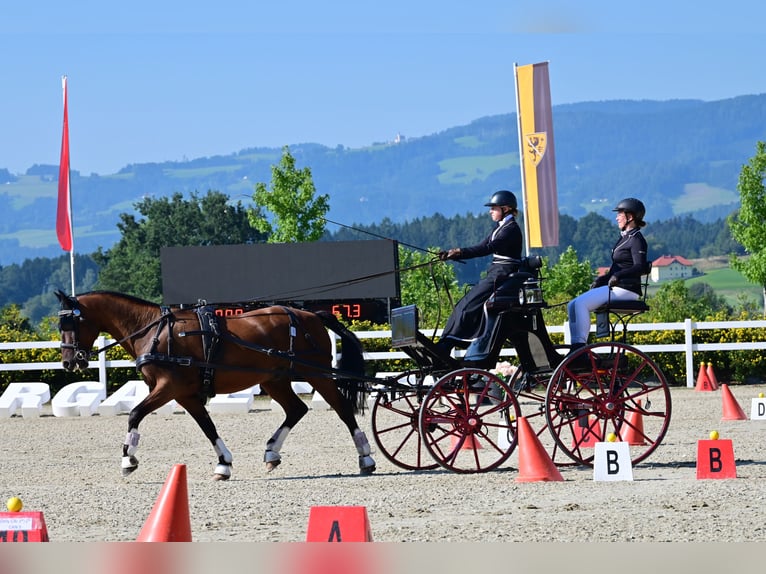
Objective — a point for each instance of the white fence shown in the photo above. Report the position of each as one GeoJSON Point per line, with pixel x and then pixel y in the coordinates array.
{"type": "Point", "coordinates": [688, 347]}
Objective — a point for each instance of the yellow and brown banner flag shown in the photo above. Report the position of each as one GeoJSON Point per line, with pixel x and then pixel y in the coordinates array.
{"type": "Point", "coordinates": [538, 159]}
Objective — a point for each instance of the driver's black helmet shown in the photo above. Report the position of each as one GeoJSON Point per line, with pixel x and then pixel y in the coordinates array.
{"type": "Point", "coordinates": [632, 205]}
{"type": "Point", "coordinates": [502, 198]}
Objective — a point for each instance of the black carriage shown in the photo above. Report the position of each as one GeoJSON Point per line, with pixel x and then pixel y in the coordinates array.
{"type": "Point", "coordinates": [459, 414]}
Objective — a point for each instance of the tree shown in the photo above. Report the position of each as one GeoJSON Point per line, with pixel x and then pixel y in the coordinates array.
{"type": "Point", "coordinates": [673, 302]}
{"type": "Point", "coordinates": [748, 224]}
{"type": "Point", "coordinates": [297, 214]}
{"type": "Point", "coordinates": [568, 278]}
{"type": "Point", "coordinates": [433, 288]}
{"type": "Point", "coordinates": [133, 264]}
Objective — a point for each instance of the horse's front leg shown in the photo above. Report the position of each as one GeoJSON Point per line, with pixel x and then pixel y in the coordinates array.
{"type": "Point", "coordinates": [129, 461]}
{"type": "Point", "coordinates": [200, 414]}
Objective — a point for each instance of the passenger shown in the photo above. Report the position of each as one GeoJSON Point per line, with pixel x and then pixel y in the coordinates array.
{"type": "Point", "coordinates": [629, 263]}
{"type": "Point", "coordinates": [504, 243]}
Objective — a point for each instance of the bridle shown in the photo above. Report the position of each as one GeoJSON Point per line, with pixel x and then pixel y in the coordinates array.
{"type": "Point", "coordinates": [69, 321]}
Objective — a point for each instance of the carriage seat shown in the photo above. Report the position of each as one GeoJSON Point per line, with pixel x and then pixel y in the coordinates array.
{"type": "Point", "coordinates": [622, 311]}
{"type": "Point", "coordinates": [509, 296]}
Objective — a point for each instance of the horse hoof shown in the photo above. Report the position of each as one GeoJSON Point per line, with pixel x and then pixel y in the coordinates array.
{"type": "Point", "coordinates": [271, 465]}
{"type": "Point", "coordinates": [220, 477]}
{"type": "Point", "coordinates": [129, 464]}
{"type": "Point", "coordinates": [367, 471]}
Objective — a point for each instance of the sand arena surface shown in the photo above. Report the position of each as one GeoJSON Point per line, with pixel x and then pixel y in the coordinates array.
{"type": "Point", "coordinates": [69, 468]}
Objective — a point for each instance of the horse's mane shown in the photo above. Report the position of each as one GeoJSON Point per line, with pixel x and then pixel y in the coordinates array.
{"type": "Point", "coordinates": [131, 298]}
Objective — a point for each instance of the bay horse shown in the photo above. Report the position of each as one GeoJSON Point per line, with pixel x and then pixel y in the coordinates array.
{"type": "Point", "coordinates": [190, 354]}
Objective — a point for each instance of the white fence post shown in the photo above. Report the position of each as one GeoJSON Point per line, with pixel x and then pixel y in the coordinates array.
{"type": "Point", "coordinates": [689, 344]}
{"type": "Point", "coordinates": [101, 343]}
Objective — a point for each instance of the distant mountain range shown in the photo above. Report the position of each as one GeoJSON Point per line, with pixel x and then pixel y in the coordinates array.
{"type": "Point", "coordinates": [678, 156]}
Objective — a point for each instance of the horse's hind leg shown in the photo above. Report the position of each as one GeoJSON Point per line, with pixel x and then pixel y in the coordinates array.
{"type": "Point", "coordinates": [196, 408]}
{"type": "Point", "coordinates": [295, 409]}
{"type": "Point", "coordinates": [345, 410]}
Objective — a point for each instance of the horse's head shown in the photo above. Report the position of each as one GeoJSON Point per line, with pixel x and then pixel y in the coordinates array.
{"type": "Point", "coordinates": [77, 336]}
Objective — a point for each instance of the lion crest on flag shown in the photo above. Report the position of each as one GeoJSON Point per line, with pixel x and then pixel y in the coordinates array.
{"type": "Point", "coordinates": [535, 146]}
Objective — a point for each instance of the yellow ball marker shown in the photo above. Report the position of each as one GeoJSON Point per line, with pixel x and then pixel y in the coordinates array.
{"type": "Point", "coordinates": [14, 504]}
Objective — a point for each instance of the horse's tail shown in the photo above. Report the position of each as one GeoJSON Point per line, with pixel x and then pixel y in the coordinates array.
{"type": "Point", "coordinates": [351, 361]}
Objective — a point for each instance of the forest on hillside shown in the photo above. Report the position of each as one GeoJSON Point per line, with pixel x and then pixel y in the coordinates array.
{"type": "Point", "coordinates": [680, 157]}
{"type": "Point", "coordinates": [31, 284]}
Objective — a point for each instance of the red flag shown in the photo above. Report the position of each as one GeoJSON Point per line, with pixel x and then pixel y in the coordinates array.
{"type": "Point", "coordinates": [64, 214]}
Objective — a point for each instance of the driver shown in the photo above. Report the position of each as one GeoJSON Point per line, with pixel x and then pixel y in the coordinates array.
{"type": "Point", "coordinates": [504, 243]}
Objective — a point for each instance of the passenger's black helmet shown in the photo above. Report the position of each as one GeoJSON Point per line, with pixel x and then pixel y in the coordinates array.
{"type": "Point", "coordinates": [502, 198]}
{"type": "Point", "coordinates": [632, 205]}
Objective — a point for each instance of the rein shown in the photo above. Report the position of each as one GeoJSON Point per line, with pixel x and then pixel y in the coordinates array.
{"type": "Point", "coordinates": [330, 286]}
{"type": "Point", "coordinates": [73, 315]}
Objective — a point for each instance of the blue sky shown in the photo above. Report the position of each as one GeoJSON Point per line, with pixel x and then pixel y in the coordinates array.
{"type": "Point", "coordinates": [169, 80]}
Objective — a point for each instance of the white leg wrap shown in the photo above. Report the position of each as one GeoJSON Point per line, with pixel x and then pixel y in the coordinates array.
{"type": "Point", "coordinates": [131, 441]}
{"type": "Point", "coordinates": [277, 440]}
{"type": "Point", "coordinates": [274, 445]}
{"type": "Point", "coordinates": [362, 445]}
{"type": "Point", "coordinates": [222, 451]}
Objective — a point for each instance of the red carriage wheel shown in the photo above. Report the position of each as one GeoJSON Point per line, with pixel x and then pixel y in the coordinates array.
{"type": "Point", "coordinates": [531, 390]}
{"type": "Point", "coordinates": [395, 422]}
{"type": "Point", "coordinates": [607, 388]}
{"type": "Point", "coordinates": [468, 421]}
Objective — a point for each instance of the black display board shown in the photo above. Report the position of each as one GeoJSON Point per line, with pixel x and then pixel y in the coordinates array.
{"type": "Point", "coordinates": [332, 272]}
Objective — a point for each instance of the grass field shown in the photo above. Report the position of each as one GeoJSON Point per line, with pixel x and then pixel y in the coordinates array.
{"type": "Point", "coordinates": [724, 280]}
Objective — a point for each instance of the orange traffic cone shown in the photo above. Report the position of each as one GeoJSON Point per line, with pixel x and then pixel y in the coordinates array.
{"type": "Point", "coordinates": [703, 383]}
{"type": "Point", "coordinates": [469, 442]}
{"type": "Point", "coordinates": [711, 377]}
{"type": "Point", "coordinates": [633, 429]}
{"type": "Point", "coordinates": [169, 518]}
{"type": "Point", "coordinates": [587, 432]}
{"type": "Point", "coordinates": [731, 409]}
{"type": "Point", "coordinates": [534, 462]}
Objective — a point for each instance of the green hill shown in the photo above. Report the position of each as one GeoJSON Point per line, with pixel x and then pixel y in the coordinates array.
{"type": "Point", "coordinates": [679, 157]}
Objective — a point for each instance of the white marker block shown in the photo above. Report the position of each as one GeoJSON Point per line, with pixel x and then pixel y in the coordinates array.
{"type": "Point", "coordinates": [239, 402]}
{"type": "Point", "coordinates": [611, 461]}
{"type": "Point", "coordinates": [318, 403]}
{"type": "Point", "coordinates": [503, 431]}
{"type": "Point", "coordinates": [758, 410]}
{"type": "Point", "coordinates": [29, 397]}
{"type": "Point", "coordinates": [302, 388]}
{"type": "Point", "coordinates": [78, 399]}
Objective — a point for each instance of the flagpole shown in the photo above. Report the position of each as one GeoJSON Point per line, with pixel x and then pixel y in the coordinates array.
{"type": "Point", "coordinates": [521, 161]}
{"type": "Point", "coordinates": [64, 224]}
